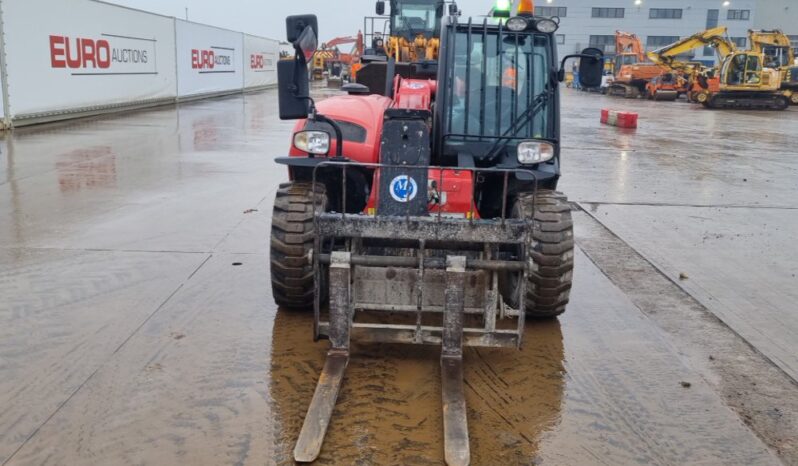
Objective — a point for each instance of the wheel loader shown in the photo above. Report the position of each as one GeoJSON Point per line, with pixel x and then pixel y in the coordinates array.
{"type": "Point", "coordinates": [429, 215]}
{"type": "Point", "coordinates": [411, 46]}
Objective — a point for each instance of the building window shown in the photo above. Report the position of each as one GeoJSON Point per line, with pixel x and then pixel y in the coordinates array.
{"type": "Point", "coordinates": [740, 42]}
{"type": "Point", "coordinates": [742, 15]}
{"type": "Point", "coordinates": [560, 11]}
{"type": "Point", "coordinates": [603, 43]}
{"type": "Point", "coordinates": [709, 51]}
{"type": "Point", "coordinates": [656, 42]}
{"type": "Point", "coordinates": [665, 13]}
{"type": "Point", "coordinates": [608, 12]}
{"type": "Point", "coordinates": [712, 18]}
{"type": "Point", "coordinates": [794, 42]}
{"type": "Point", "coordinates": [560, 39]}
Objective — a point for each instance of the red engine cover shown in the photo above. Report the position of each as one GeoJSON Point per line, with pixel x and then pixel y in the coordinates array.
{"type": "Point", "coordinates": [414, 94]}
{"type": "Point", "coordinates": [365, 111]}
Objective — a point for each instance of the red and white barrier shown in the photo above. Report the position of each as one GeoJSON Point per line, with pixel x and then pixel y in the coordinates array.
{"type": "Point", "coordinates": [619, 119]}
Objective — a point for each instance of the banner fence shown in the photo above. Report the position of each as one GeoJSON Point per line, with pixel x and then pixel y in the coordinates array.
{"type": "Point", "coordinates": [87, 57]}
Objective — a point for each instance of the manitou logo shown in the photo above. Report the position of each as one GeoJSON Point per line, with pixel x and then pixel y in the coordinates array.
{"type": "Point", "coordinates": [214, 60]}
{"type": "Point", "coordinates": [111, 55]}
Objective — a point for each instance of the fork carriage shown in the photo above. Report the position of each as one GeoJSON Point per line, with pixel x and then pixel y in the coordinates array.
{"type": "Point", "coordinates": [439, 275]}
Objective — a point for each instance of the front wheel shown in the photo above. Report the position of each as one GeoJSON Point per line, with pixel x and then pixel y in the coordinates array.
{"type": "Point", "coordinates": [292, 238]}
{"type": "Point", "coordinates": [548, 285]}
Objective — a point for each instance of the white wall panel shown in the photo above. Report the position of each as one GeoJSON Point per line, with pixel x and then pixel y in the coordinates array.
{"type": "Point", "coordinates": [209, 60]}
{"type": "Point", "coordinates": [2, 103]}
{"type": "Point", "coordinates": [72, 55]}
{"type": "Point", "coordinates": [260, 66]}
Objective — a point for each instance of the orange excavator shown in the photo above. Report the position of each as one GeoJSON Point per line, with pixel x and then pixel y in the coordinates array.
{"type": "Point", "coordinates": [632, 70]}
{"type": "Point", "coordinates": [329, 58]}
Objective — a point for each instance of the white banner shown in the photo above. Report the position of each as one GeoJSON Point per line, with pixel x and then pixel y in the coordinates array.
{"type": "Point", "coordinates": [209, 60]}
{"type": "Point", "coordinates": [74, 55]}
{"type": "Point", "coordinates": [260, 67]}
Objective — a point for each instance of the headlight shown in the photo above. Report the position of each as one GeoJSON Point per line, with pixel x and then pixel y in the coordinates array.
{"type": "Point", "coordinates": [312, 142]}
{"type": "Point", "coordinates": [532, 152]}
{"type": "Point", "coordinates": [546, 25]}
{"type": "Point", "coordinates": [517, 24]}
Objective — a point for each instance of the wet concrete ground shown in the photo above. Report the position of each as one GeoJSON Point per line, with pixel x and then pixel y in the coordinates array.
{"type": "Point", "coordinates": [137, 326]}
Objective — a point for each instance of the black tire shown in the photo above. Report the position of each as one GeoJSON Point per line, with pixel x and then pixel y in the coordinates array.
{"type": "Point", "coordinates": [548, 286]}
{"type": "Point", "coordinates": [291, 242]}
{"type": "Point", "coordinates": [782, 103]}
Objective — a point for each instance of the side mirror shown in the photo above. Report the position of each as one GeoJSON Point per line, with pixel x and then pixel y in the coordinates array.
{"type": "Point", "coordinates": [293, 83]}
{"type": "Point", "coordinates": [380, 8]}
{"type": "Point", "coordinates": [453, 9]}
{"type": "Point", "coordinates": [591, 69]}
{"type": "Point", "coordinates": [293, 89]}
{"type": "Point", "coordinates": [303, 32]}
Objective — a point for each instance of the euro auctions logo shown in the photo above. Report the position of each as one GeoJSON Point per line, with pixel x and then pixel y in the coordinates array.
{"type": "Point", "coordinates": [213, 60]}
{"type": "Point", "coordinates": [259, 62]}
{"type": "Point", "coordinates": [109, 55]}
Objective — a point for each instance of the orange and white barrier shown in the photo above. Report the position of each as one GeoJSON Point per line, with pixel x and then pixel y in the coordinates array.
{"type": "Point", "coordinates": [619, 119]}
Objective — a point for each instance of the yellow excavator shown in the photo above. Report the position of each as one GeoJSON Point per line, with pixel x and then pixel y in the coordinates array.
{"type": "Point", "coordinates": [743, 80]}
{"type": "Point", "coordinates": [778, 54]}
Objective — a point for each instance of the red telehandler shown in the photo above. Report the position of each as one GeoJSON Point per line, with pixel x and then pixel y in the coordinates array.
{"type": "Point", "coordinates": [428, 215]}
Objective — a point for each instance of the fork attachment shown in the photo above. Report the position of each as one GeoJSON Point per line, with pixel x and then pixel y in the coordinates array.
{"type": "Point", "coordinates": [317, 420]}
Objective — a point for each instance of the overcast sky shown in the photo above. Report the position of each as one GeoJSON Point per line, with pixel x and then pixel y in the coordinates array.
{"type": "Point", "coordinates": [267, 17]}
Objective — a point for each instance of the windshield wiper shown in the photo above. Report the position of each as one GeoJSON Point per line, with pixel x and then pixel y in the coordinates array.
{"type": "Point", "coordinates": [538, 103]}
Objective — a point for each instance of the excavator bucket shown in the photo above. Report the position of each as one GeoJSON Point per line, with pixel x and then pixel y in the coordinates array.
{"type": "Point", "coordinates": [417, 278]}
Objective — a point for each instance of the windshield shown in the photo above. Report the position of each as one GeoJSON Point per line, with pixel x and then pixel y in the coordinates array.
{"type": "Point", "coordinates": [414, 17]}
{"type": "Point", "coordinates": [496, 84]}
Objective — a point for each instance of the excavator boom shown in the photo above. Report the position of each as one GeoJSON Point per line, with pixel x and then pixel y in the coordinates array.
{"type": "Point", "coordinates": [715, 37]}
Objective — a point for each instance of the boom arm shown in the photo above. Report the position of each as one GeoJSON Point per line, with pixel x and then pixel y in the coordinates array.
{"type": "Point", "coordinates": [627, 43]}
{"type": "Point", "coordinates": [715, 37]}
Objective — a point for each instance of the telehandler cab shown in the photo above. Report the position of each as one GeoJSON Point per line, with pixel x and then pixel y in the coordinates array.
{"type": "Point", "coordinates": [428, 216]}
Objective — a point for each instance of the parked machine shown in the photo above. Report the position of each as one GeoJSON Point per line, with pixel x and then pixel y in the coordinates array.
{"type": "Point", "coordinates": [702, 82]}
{"type": "Point", "coordinates": [411, 47]}
{"type": "Point", "coordinates": [429, 215]}
{"type": "Point", "coordinates": [777, 50]}
{"type": "Point", "coordinates": [742, 80]}
{"type": "Point", "coordinates": [667, 86]}
{"type": "Point", "coordinates": [632, 71]}
{"type": "Point", "coordinates": [339, 67]}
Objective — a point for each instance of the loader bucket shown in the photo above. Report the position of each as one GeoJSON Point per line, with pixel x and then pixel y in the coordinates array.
{"type": "Point", "coordinates": [416, 279]}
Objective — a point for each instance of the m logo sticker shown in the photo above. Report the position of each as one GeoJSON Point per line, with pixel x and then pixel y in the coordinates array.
{"type": "Point", "coordinates": [403, 188]}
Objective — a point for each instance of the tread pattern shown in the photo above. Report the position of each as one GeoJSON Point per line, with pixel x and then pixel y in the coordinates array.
{"type": "Point", "coordinates": [291, 241]}
{"type": "Point", "coordinates": [548, 287]}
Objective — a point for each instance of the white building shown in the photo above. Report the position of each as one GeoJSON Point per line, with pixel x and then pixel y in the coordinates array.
{"type": "Point", "coordinates": [592, 23]}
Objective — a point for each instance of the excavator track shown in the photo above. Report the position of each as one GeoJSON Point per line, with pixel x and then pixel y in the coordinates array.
{"type": "Point", "coordinates": [771, 101]}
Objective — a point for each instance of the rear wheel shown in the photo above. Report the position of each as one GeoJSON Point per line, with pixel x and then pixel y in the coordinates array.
{"type": "Point", "coordinates": [291, 242]}
{"type": "Point", "coordinates": [548, 285]}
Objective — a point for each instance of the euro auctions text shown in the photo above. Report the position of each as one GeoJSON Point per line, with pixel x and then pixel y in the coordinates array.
{"type": "Point", "coordinates": [108, 55]}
